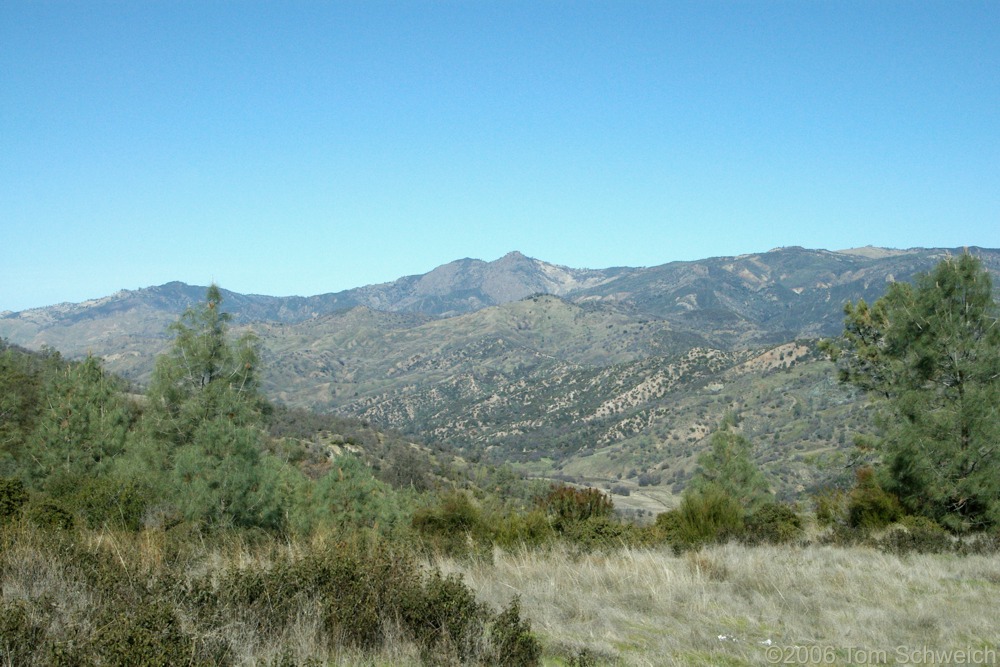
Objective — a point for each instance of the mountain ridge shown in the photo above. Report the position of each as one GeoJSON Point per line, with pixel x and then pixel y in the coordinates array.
{"type": "Point", "coordinates": [747, 299]}
{"type": "Point", "coordinates": [561, 279]}
{"type": "Point", "coordinates": [617, 379]}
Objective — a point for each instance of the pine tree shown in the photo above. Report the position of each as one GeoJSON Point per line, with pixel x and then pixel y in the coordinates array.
{"type": "Point", "coordinates": [206, 414]}
{"type": "Point", "coordinates": [728, 466]}
{"type": "Point", "coordinates": [20, 404]}
{"type": "Point", "coordinates": [203, 376]}
{"type": "Point", "coordinates": [82, 425]}
{"type": "Point", "coordinates": [929, 353]}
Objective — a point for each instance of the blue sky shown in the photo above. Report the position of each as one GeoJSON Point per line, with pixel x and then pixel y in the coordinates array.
{"type": "Point", "coordinates": [309, 147]}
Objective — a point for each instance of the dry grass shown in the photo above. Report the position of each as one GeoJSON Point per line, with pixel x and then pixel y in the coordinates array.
{"type": "Point", "coordinates": [722, 605]}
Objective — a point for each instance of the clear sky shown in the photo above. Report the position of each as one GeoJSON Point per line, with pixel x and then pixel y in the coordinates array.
{"type": "Point", "coordinates": [309, 147]}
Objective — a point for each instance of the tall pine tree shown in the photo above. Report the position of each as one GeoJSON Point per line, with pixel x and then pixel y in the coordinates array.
{"type": "Point", "coordinates": [205, 409]}
{"type": "Point", "coordinates": [929, 353]}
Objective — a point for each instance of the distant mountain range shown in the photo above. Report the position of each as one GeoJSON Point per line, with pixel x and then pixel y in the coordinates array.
{"type": "Point", "coordinates": [613, 374]}
{"type": "Point", "coordinates": [772, 296]}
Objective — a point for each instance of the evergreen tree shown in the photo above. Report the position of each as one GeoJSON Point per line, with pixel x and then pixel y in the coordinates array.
{"type": "Point", "coordinates": [205, 412]}
{"type": "Point", "coordinates": [728, 466]}
{"type": "Point", "coordinates": [204, 376]}
{"type": "Point", "coordinates": [20, 404]}
{"type": "Point", "coordinates": [930, 354]}
{"type": "Point", "coordinates": [82, 424]}
{"type": "Point", "coordinates": [348, 498]}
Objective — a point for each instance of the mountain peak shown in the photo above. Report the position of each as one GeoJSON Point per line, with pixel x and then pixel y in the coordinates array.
{"type": "Point", "coordinates": [513, 256]}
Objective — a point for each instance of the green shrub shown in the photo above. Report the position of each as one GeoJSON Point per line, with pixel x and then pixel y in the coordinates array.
{"type": "Point", "coordinates": [12, 498]}
{"type": "Point", "coordinates": [19, 636]}
{"type": "Point", "coordinates": [157, 599]}
{"type": "Point", "coordinates": [149, 635]}
{"type": "Point", "coordinates": [515, 529]}
{"type": "Point", "coordinates": [708, 515]}
{"type": "Point", "coordinates": [363, 590]}
{"type": "Point", "coordinates": [599, 533]}
{"type": "Point", "coordinates": [986, 543]}
{"type": "Point", "coordinates": [450, 524]}
{"type": "Point", "coordinates": [47, 513]}
{"type": "Point", "coordinates": [444, 617]}
{"type": "Point", "coordinates": [360, 593]}
{"type": "Point", "coordinates": [106, 501]}
{"type": "Point", "coordinates": [512, 643]}
{"type": "Point", "coordinates": [916, 534]}
{"type": "Point", "coordinates": [355, 590]}
{"type": "Point", "coordinates": [585, 658]}
{"type": "Point", "coordinates": [772, 523]}
{"type": "Point", "coordinates": [665, 528]}
{"type": "Point", "coordinates": [569, 505]}
{"type": "Point", "coordinates": [831, 507]}
{"type": "Point", "coordinates": [869, 505]}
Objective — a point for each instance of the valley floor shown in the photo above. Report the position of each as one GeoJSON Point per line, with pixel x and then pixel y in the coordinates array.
{"type": "Point", "coordinates": [737, 605]}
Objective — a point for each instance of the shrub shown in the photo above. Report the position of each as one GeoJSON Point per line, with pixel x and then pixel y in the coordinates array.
{"type": "Point", "coordinates": [599, 533]}
{"type": "Point", "coordinates": [512, 643]}
{"type": "Point", "coordinates": [449, 525]}
{"type": "Point", "coordinates": [666, 527]}
{"type": "Point", "coordinates": [649, 479]}
{"type": "Point", "coordinates": [772, 523]}
{"type": "Point", "coordinates": [105, 501]}
{"type": "Point", "coordinates": [364, 592]}
{"type": "Point", "coordinates": [708, 515]}
{"type": "Point", "coordinates": [869, 505]}
{"type": "Point", "coordinates": [359, 592]}
{"type": "Point", "coordinates": [19, 636]}
{"type": "Point", "coordinates": [444, 617]}
{"type": "Point", "coordinates": [49, 514]}
{"type": "Point", "coordinates": [569, 505]}
{"type": "Point", "coordinates": [12, 498]}
{"type": "Point", "coordinates": [585, 658]}
{"type": "Point", "coordinates": [516, 529]}
{"type": "Point", "coordinates": [985, 543]}
{"type": "Point", "coordinates": [149, 635]}
{"type": "Point", "coordinates": [831, 507]}
{"type": "Point", "coordinates": [916, 534]}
